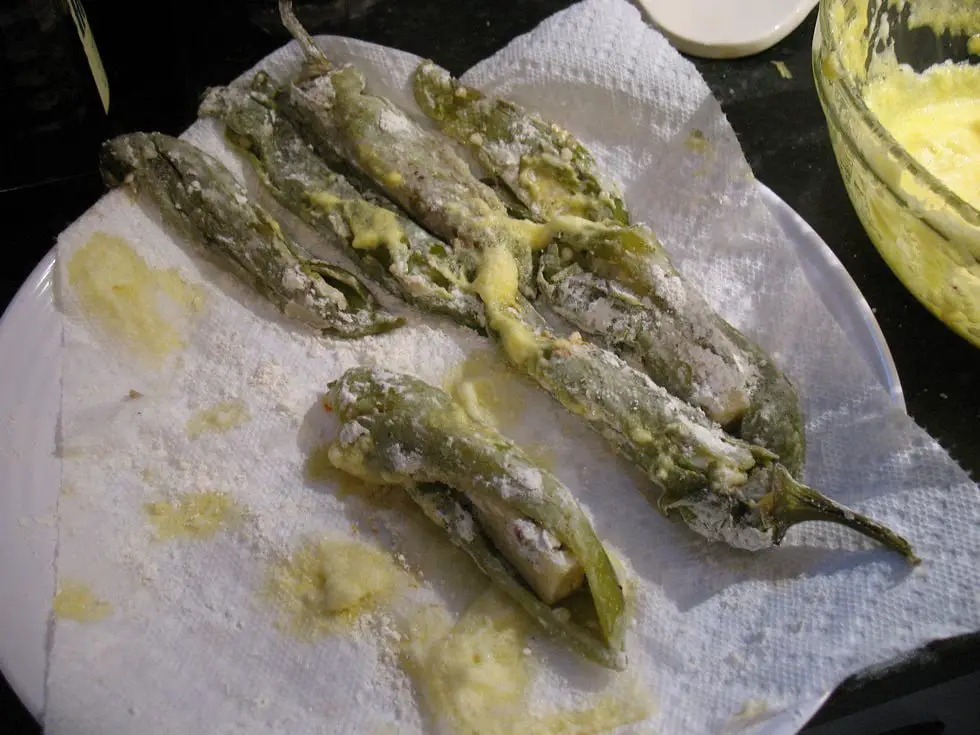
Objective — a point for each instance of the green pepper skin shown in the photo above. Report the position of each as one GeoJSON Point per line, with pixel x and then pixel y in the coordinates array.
{"type": "Point", "coordinates": [198, 195]}
{"type": "Point", "coordinates": [543, 165]}
{"type": "Point", "coordinates": [617, 286]}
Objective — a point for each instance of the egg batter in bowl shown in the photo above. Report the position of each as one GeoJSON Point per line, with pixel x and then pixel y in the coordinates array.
{"type": "Point", "coordinates": [900, 86]}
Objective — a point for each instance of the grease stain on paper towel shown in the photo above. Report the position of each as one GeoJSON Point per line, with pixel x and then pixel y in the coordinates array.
{"type": "Point", "coordinates": [148, 310]}
{"type": "Point", "coordinates": [698, 142]}
{"type": "Point", "coordinates": [196, 515]}
{"type": "Point", "coordinates": [76, 601]}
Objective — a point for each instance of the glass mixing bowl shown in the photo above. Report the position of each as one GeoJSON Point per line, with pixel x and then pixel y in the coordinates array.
{"type": "Point", "coordinates": [929, 236]}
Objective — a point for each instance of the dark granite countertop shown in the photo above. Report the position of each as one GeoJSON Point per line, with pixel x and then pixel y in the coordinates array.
{"type": "Point", "coordinates": [156, 73]}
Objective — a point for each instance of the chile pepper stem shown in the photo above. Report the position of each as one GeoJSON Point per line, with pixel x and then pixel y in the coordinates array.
{"type": "Point", "coordinates": [790, 502]}
{"type": "Point", "coordinates": [296, 30]}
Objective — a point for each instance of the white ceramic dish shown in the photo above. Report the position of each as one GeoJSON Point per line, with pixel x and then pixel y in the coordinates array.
{"type": "Point", "coordinates": [30, 377]}
{"type": "Point", "coordinates": [726, 29]}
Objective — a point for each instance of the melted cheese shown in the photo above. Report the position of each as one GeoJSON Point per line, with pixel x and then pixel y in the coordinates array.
{"type": "Point", "coordinates": [319, 468]}
{"type": "Point", "coordinates": [550, 181]}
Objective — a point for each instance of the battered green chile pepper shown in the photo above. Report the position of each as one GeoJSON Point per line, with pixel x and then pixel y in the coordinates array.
{"type": "Point", "coordinates": [197, 194]}
{"type": "Point", "coordinates": [404, 258]}
{"type": "Point", "coordinates": [615, 282]}
{"type": "Point", "coordinates": [724, 488]}
{"type": "Point", "coordinates": [518, 522]}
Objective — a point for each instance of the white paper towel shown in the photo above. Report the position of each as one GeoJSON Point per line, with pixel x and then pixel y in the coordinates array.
{"type": "Point", "coordinates": [723, 640]}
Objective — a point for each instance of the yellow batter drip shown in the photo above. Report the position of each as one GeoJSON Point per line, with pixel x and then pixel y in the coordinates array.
{"type": "Point", "coordinates": [146, 309]}
{"type": "Point", "coordinates": [325, 586]}
{"type": "Point", "coordinates": [218, 419]}
{"type": "Point", "coordinates": [193, 515]}
{"type": "Point", "coordinates": [497, 284]}
{"type": "Point", "coordinates": [370, 225]}
{"type": "Point", "coordinates": [76, 601]}
{"type": "Point", "coordinates": [320, 469]}
{"type": "Point", "coordinates": [487, 389]}
{"type": "Point", "coordinates": [475, 674]}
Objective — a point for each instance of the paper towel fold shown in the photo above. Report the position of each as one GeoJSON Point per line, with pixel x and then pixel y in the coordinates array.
{"type": "Point", "coordinates": [723, 640]}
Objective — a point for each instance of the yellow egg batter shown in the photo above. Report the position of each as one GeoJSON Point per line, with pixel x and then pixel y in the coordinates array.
{"type": "Point", "coordinates": [930, 241]}
{"type": "Point", "coordinates": [148, 310]}
{"type": "Point", "coordinates": [488, 390]}
{"type": "Point", "coordinates": [475, 676]}
{"type": "Point", "coordinates": [198, 515]}
{"type": "Point", "coordinates": [935, 116]}
{"type": "Point", "coordinates": [218, 419]}
{"type": "Point", "coordinates": [324, 586]}
{"type": "Point", "coordinates": [76, 601]}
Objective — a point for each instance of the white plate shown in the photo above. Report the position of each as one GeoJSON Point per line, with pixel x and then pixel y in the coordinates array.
{"type": "Point", "coordinates": [726, 29]}
{"type": "Point", "coordinates": [30, 380]}
{"type": "Point", "coordinates": [839, 293]}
